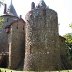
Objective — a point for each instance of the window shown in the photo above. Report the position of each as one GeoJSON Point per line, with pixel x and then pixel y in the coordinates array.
{"type": "Point", "coordinates": [7, 19]}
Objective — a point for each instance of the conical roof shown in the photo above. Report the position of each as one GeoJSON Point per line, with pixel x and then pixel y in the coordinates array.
{"type": "Point", "coordinates": [11, 10]}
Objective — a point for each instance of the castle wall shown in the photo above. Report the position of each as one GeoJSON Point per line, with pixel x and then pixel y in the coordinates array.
{"type": "Point", "coordinates": [42, 50]}
{"type": "Point", "coordinates": [16, 45]}
{"type": "Point", "coordinates": [3, 42]}
{"type": "Point", "coordinates": [3, 35]}
{"type": "Point", "coordinates": [63, 48]}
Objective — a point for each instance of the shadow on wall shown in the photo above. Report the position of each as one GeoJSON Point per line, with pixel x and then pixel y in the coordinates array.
{"type": "Point", "coordinates": [4, 61]}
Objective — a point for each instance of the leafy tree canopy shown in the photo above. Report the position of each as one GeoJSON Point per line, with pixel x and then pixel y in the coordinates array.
{"type": "Point", "coordinates": [68, 38]}
{"type": "Point", "coordinates": [2, 2]}
{"type": "Point", "coordinates": [70, 25]}
{"type": "Point", "coordinates": [69, 44]}
{"type": "Point", "coordinates": [1, 22]}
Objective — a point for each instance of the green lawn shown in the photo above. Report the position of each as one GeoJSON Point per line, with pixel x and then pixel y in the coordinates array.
{"type": "Point", "coordinates": [8, 70]}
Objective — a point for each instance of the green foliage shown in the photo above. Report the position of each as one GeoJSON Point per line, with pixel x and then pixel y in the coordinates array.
{"type": "Point", "coordinates": [69, 44]}
{"type": "Point", "coordinates": [8, 70]}
{"type": "Point", "coordinates": [1, 22]}
{"type": "Point", "coordinates": [68, 38]}
{"type": "Point", "coordinates": [70, 25]}
{"type": "Point", "coordinates": [2, 2]}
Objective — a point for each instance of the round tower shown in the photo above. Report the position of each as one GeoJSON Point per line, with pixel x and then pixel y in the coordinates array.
{"type": "Point", "coordinates": [42, 39]}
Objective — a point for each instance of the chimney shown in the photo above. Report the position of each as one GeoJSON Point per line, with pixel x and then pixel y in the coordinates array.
{"type": "Point", "coordinates": [5, 7]}
{"type": "Point", "coordinates": [32, 5]}
{"type": "Point", "coordinates": [20, 16]}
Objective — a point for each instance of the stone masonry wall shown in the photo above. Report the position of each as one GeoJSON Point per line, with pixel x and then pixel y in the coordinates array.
{"type": "Point", "coordinates": [3, 35]}
{"type": "Point", "coordinates": [16, 45]}
{"type": "Point", "coordinates": [63, 48]}
{"type": "Point", "coordinates": [3, 42]}
{"type": "Point", "coordinates": [42, 50]}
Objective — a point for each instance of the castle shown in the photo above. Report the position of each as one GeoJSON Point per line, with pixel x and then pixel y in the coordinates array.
{"type": "Point", "coordinates": [34, 44]}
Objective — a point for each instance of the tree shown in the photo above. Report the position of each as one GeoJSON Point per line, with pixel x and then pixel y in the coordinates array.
{"type": "Point", "coordinates": [69, 44]}
{"type": "Point", "coordinates": [70, 25]}
{"type": "Point", "coordinates": [1, 3]}
{"type": "Point", "coordinates": [1, 22]}
{"type": "Point", "coordinates": [68, 38]}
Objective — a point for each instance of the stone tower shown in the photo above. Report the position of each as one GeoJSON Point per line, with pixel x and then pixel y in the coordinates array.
{"type": "Point", "coordinates": [42, 51]}
{"type": "Point", "coordinates": [16, 44]}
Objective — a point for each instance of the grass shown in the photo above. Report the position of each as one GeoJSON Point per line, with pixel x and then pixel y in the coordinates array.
{"type": "Point", "coordinates": [8, 70]}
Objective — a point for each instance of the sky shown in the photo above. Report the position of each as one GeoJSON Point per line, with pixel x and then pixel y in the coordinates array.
{"type": "Point", "coordinates": [62, 7]}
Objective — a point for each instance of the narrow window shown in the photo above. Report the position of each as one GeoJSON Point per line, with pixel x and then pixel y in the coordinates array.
{"type": "Point", "coordinates": [7, 19]}
{"type": "Point", "coordinates": [17, 26]}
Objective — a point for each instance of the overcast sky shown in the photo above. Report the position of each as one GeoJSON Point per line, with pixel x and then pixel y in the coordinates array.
{"type": "Point", "coordinates": [62, 7]}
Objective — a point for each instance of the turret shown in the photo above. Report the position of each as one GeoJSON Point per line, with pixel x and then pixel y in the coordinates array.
{"type": "Point", "coordinates": [16, 44]}
{"type": "Point", "coordinates": [42, 40]}
{"type": "Point", "coordinates": [11, 10]}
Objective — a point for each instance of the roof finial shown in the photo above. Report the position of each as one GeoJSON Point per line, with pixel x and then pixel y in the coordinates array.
{"type": "Point", "coordinates": [42, 0]}
{"type": "Point", "coordinates": [11, 2]}
{"type": "Point", "coordinates": [11, 10]}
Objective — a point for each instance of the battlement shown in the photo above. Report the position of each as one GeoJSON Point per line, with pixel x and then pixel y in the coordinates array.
{"type": "Point", "coordinates": [40, 11]}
